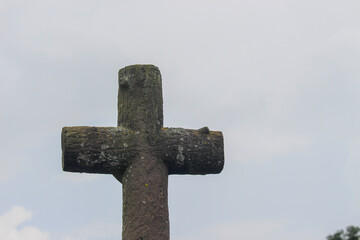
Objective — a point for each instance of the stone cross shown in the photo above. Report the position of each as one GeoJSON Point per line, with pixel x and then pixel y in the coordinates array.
{"type": "Point", "coordinates": [141, 153]}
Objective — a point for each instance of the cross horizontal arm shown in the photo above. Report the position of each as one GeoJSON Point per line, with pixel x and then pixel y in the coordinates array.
{"type": "Point", "coordinates": [112, 149]}
{"type": "Point", "coordinates": [98, 149]}
{"type": "Point", "coordinates": [187, 151]}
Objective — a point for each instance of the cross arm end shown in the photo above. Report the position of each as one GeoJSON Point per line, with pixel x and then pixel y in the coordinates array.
{"type": "Point", "coordinates": [97, 149]}
{"type": "Point", "coordinates": [188, 151]}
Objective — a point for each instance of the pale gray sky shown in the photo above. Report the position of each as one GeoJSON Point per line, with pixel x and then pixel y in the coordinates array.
{"type": "Point", "coordinates": [280, 79]}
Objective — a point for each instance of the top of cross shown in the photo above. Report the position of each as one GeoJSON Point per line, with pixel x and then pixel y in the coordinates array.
{"type": "Point", "coordinates": [143, 83]}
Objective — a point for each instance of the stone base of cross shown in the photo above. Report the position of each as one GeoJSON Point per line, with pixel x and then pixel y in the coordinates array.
{"type": "Point", "coordinates": [141, 153]}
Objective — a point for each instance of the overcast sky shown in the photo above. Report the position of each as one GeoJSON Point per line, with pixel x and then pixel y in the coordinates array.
{"type": "Point", "coordinates": [280, 79]}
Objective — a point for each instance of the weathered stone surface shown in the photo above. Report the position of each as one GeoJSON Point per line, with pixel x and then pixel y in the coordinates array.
{"type": "Point", "coordinates": [187, 151]}
{"type": "Point", "coordinates": [98, 149]}
{"type": "Point", "coordinates": [141, 154]}
{"type": "Point", "coordinates": [140, 103]}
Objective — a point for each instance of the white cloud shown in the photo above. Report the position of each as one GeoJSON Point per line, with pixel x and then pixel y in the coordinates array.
{"type": "Point", "coordinates": [353, 173]}
{"type": "Point", "coordinates": [264, 144]}
{"type": "Point", "coordinates": [8, 168]}
{"type": "Point", "coordinates": [268, 229]}
{"type": "Point", "coordinates": [9, 222]}
{"type": "Point", "coordinates": [95, 231]}
{"type": "Point", "coordinates": [78, 177]}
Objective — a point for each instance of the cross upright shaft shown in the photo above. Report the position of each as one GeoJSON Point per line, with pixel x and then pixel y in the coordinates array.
{"type": "Point", "coordinates": [141, 154]}
{"type": "Point", "coordinates": [145, 181]}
